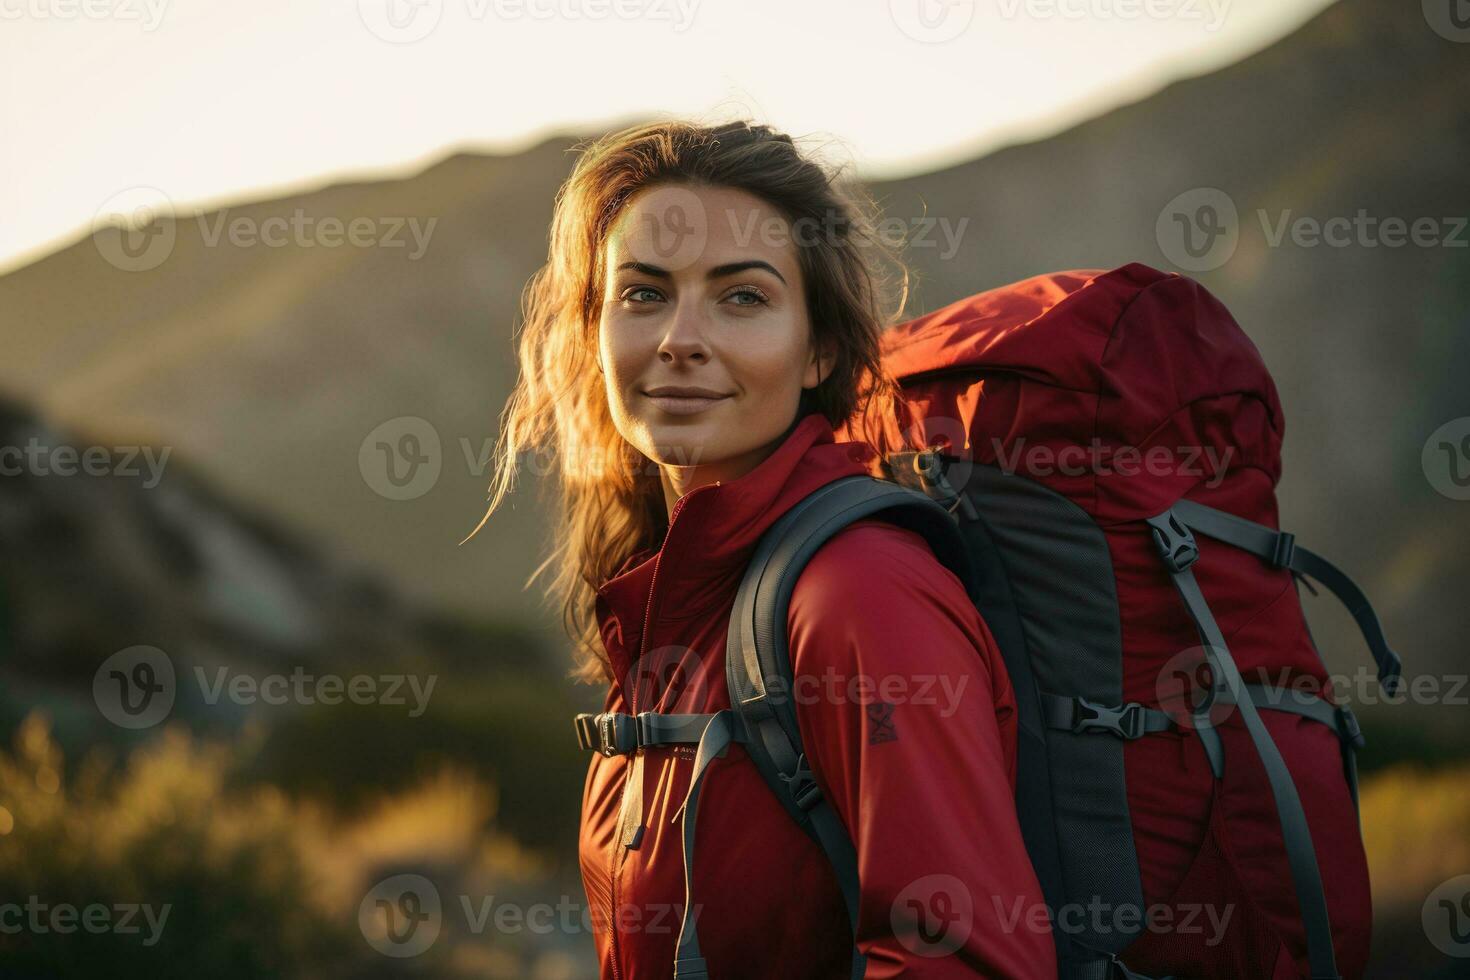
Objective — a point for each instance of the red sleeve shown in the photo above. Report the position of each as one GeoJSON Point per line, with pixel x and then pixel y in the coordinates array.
{"type": "Point", "coordinates": [908, 720]}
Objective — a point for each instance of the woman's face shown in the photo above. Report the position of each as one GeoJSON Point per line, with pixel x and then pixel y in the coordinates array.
{"type": "Point", "coordinates": [704, 294]}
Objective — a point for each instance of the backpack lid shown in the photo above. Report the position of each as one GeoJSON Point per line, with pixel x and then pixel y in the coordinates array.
{"type": "Point", "coordinates": [1127, 359]}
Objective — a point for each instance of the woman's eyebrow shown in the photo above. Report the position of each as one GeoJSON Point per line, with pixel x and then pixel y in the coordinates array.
{"type": "Point", "coordinates": [718, 271]}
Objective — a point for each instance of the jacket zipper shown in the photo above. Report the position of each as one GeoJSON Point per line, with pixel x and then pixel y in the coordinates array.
{"type": "Point", "coordinates": [621, 851]}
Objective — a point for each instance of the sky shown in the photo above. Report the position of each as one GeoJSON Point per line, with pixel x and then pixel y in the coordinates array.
{"type": "Point", "coordinates": [210, 103]}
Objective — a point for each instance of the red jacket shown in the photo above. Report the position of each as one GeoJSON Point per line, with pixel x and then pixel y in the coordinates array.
{"type": "Point", "coordinates": [908, 720]}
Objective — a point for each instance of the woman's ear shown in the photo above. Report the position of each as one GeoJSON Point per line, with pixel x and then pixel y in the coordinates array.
{"type": "Point", "coordinates": [819, 365]}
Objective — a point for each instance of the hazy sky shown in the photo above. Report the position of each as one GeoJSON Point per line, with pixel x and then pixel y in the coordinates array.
{"type": "Point", "coordinates": [211, 102]}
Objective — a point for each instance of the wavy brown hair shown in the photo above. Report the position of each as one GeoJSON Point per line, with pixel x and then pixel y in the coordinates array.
{"type": "Point", "coordinates": [611, 499]}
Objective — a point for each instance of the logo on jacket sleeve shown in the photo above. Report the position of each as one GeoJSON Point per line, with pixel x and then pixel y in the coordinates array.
{"type": "Point", "coordinates": [880, 723]}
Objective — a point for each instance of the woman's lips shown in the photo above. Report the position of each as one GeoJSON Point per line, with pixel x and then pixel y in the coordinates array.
{"type": "Point", "coordinates": [684, 404]}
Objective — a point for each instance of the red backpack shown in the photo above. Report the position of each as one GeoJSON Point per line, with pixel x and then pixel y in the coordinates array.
{"type": "Point", "coordinates": [1095, 454]}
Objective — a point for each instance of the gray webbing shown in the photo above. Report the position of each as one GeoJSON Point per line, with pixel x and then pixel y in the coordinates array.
{"type": "Point", "coordinates": [1178, 550]}
{"type": "Point", "coordinates": [718, 733]}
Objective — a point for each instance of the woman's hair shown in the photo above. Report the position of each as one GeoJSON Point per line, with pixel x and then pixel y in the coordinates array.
{"type": "Point", "coordinates": [612, 502]}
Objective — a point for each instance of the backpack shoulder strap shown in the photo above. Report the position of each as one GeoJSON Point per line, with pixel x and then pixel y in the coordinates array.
{"type": "Point", "coordinates": [758, 668]}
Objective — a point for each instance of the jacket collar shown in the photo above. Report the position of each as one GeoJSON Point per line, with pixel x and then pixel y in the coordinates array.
{"type": "Point", "coordinates": [712, 534]}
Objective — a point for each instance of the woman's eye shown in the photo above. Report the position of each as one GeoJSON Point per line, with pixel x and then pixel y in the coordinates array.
{"type": "Point", "coordinates": [636, 290]}
{"type": "Point", "coordinates": [750, 291]}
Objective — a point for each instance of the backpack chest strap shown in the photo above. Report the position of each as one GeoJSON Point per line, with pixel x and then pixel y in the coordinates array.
{"type": "Point", "coordinates": [613, 733]}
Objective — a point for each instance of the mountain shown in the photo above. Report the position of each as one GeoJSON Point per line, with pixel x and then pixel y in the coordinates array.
{"type": "Point", "coordinates": [272, 367]}
{"type": "Point", "coordinates": [121, 558]}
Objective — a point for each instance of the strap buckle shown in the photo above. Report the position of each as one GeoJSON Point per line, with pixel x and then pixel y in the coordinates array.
{"type": "Point", "coordinates": [1282, 549]}
{"type": "Point", "coordinates": [1125, 721]}
{"type": "Point", "coordinates": [586, 726]}
{"type": "Point", "coordinates": [1348, 728]}
{"type": "Point", "coordinates": [1175, 542]}
{"type": "Point", "coordinates": [802, 785]}
{"type": "Point", "coordinates": [610, 733]}
{"type": "Point", "coordinates": [617, 732]}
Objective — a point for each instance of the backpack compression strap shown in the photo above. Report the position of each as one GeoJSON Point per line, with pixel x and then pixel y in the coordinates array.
{"type": "Point", "coordinates": [1177, 547]}
{"type": "Point", "coordinates": [758, 668]}
{"type": "Point", "coordinates": [1280, 550]}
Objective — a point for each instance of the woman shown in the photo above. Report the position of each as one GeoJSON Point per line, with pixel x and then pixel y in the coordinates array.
{"type": "Point", "coordinates": [707, 315]}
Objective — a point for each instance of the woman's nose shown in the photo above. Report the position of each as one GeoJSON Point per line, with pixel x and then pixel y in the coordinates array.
{"type": "Point", "coordinates": [684, 338]}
